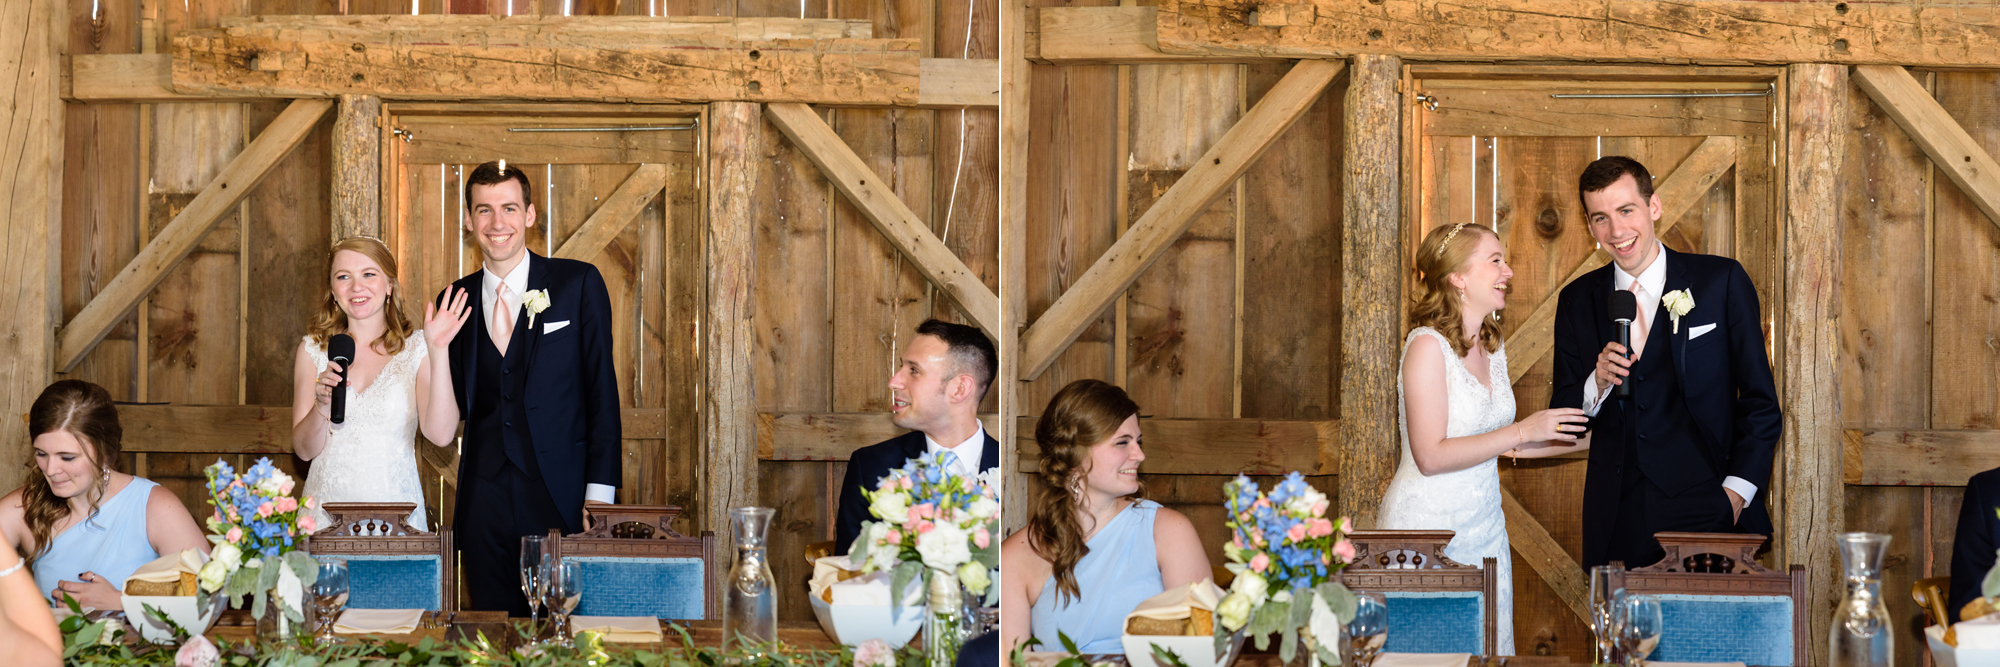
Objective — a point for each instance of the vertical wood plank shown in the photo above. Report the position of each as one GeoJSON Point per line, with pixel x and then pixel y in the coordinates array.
{"type": "Point", "coordinates": [685, 298]}
{"type": "Point", "coordinates": [1017, 100]}
{"type": "Point", "coordinates": [1069, 208]}
{"type": "Point", "coordinates": [1291, 269]}
{"type": "Point", "coordinates": [289, 233]}
{"type": "Point", "coordinates": [100, 228]}
{"type": "Point", "coordinates": [1817, 100]}
{"type": "Point", "coordinates": [878, 295]}
{"type": "Point", "coordinates": [730, 413]}
{"type": "Point", "coordinates": [192, 315]}
{"type": "Point", "coordinates": [1966, 367]}
{"type": "Point", "coordinates": [1371, 280]}
{"type": "Point", "coordinates": [31, 168]}
{"type": "Point", "coordinates": [357, 167]}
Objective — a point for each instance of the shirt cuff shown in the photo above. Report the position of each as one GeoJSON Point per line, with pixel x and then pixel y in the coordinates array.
{"type": "Point", "coordinates": [1592, 398]}
{"type": "Point", "coordinates": [605, 493]}
{"type": "Point", "coordinates": [1742, 487]}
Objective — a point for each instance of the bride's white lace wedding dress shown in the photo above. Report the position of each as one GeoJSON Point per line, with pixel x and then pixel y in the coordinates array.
{"type": "Point", "coordinates": [1466, 501]}
{"type": "Point", "coordinates": [371, 456]}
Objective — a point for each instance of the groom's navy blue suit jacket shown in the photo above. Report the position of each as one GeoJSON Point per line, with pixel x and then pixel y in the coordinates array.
{"type": "Point", "coordinates": [867, 466]}
{"type": "Point", "coordinates": [571, 391]}
{"type": "Point", "coordinates": [1725, 380]}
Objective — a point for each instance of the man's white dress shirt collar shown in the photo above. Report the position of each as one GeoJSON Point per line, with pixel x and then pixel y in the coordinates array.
{"type": "Point", "coordinates": [967, 454]}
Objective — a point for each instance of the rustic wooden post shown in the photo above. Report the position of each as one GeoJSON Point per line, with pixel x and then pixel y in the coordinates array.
{"type": "Point", "coordinates": [1810, 454]}
{"type": "Point", "coordinates": [357, 167]}
{"type": "Point", "coordinates": [729, 416]}
{"type": "Point", "coordinates": [1014, 98]}
{"type": "Point", "coordinates": [31, 167]}
{"type": "Point", "coordinates": [1371, 263]}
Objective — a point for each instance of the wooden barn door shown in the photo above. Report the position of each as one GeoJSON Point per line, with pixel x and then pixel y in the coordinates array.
{"type": "Point", "coordinates": [616, 186]}
{"type": "Point", "coordinates": [1502, 147]}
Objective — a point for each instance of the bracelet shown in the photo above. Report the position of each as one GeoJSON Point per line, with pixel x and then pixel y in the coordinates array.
{"type": "Point", "coordinates": [16, 568]}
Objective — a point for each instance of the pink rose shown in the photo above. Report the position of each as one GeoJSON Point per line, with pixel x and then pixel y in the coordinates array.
{"type": "Point", "coordinates": [285, 488]}
{"type": "Point", "coordinates": [874, 653]}
{"type": "Point", "coordinates": [906, 483]}
{"type": "Point", "coordinates": [1297, 533]}
{"type": "Point", "coordinates": [1320, 528]}
{"type": "Point", "coordinates": [197, 652]}
{"type": "Point", "coordinates": [1260, 561]}
{"type": "Point", "coordinates": [886, 483]}
{"type": "Point", "coordinates": [1319, 507]}
{"type": "Point", "coordinates": [1344, 549]}
{"type": "Point", "coordinates": [264, 510]}
{"type": "Point", "coordinates": [285, 504]}
{"type": "Point", "coordinates": [981, 538]}
{"type": "Point", "coordinates": [307, 524]}
{"type": "Point", "coordinates": [311, 502]}
{"type": "Point", "coordinates": [235, 534]}
{"type": "Point", "coordinates": [922, 526]}
{"type": "Point", "coordinates": [924, 511]}
{"type": "Point", "coordinates": [893, 537]}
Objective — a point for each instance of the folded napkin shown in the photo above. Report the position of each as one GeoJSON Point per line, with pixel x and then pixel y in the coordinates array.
{"type": "Point", "coordinates": [379, 621]}
{"type": "Point", "coordinates": [171, 574]}
{"type": "Point", "coordinates": [1429, 660]}
{"type": "Point", "coordinates": [630, 629]}
{"type": "Point", "coordinates": [1982, 632]}
{"type": "Point", "coordinates": [1173, 610]}
{"type": "Point", "coordinates": [836, 581]}
{"type": "Point", "coordinates": [1656, 663]}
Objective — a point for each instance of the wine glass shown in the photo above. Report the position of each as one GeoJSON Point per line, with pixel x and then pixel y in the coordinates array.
{"type": "Point", "coordinates": [565, 591]}
{"type": "Point", "coordinates": [1604, 593]}
{"type": "Point", "coordinates": [1369, 629]}
{"type": "Point", "coordinates": [1639, 624]}
{"type": "Point", "coordinates": [534, 576]}
{"type": "Point", "coordinates": [329, 595]}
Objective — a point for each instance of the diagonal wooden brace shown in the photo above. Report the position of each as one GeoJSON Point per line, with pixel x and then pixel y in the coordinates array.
{"type": "Point", "coordinates": [616, 213]}
{"type": "Point", "coordinates": [1949, 146]}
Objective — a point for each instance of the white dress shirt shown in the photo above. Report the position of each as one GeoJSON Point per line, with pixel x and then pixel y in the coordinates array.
{"type": "Point", "coordinates": [517, 285]}
{"type": "Point", "coordinates": [967, 454]}
{"type": "Point", "coordinates": [1654, 279]}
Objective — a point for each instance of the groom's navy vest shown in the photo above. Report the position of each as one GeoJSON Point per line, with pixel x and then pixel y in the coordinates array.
{"type": "Point", "coordinates": [497, 407]}
{"type": "Point", "coordinates": [1661, 434]}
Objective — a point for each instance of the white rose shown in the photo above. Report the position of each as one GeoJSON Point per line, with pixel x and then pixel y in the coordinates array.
{"type": "Point", "coordinates": [973, 575]}
{"type": "Point", "coordinates": [891, 507]}
{"type": "Point", "coordinates": [228, 555]}
{"type": "Point", "coordinates": [1325, 626]}
{"type": "Point", "coordinates": [1303, 503]}
{"type": "Point", "coordinates": [1282, 597]}
{"type": "Point", "coordinates": [213, 575]}
{"type": "Point", "coordinates": [983, 508]}
{"type": "Point", "coordinates": [945, 547]}
{"type": "Point", "coordinates": [1252, 586]}
{"type": "Point", "coordinates": [884, 556]}
{"type": "Point", "coordinates": [1234, 611]}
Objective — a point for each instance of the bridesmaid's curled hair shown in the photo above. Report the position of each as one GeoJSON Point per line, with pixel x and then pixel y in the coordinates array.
{"type": "Point", "coordinates": [86, 412]}
{"type": "Point", "coordinates": [1081, 415]}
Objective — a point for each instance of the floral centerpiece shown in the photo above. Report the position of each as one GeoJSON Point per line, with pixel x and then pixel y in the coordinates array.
{"type": "Point", "coordinates": [935, 527]}
{"type": "Point", "coordinates": [257, 529]}
{"type": "Point", "coordinates": [1285, 554]}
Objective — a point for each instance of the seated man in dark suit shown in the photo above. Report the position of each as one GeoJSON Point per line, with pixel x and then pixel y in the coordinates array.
{"type": "Point", "coordinates": [1972, 548]}
{"type": "Point", "coordinates": [937, 389]}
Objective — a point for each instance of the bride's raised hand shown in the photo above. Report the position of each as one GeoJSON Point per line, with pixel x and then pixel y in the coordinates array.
{"type": "Point", "coordinates": [441, 326]}
{"type": "Point", "coordinates": [1558, 424]}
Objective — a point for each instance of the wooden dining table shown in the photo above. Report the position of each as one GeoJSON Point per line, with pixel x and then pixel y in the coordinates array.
{"type": "Point", "coordinates": [237, 625]}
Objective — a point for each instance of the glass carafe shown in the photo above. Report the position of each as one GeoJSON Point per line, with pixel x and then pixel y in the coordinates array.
{"type": "Point", "coordinates": [749, 598]}
{"type": "Point", "coordinates": [1861, 635]}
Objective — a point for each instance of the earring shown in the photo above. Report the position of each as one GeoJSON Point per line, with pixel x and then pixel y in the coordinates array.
{"type": "Point", "coordinates": [106, 477]}
{"type": "Point", "coordinates": [1496, 316]}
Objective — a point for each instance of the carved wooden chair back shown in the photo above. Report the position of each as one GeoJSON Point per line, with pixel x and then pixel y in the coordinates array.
{"type": "Point", "coordinates": [1436, 605]}
{"type": "Point", "coordinates": [389, 565]}
{"type": "Point", "coordinates": [634, 563]}
{"type": "Point", "coordinates": [1721, 605]}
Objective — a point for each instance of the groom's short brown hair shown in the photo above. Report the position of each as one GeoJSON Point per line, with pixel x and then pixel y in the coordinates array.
{"type": "Point", "coordinates": [1607, 170]}
{"type": "Point", "coordinates": [490, 174]}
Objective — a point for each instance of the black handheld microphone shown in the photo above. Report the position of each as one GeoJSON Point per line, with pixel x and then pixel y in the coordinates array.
{"type": "Point", "coordinates": [1624, 308]}
{"type": "Point", "coordinates": [340, 349]}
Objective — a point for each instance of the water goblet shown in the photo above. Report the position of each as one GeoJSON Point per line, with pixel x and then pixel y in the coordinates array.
{"type": "Point", "coordinates": [1369, 629]}
{"type": "Point", "coordinates": [534, 575]}
{"type": "Point", "coordinates": [565, 592]}
{"type": "Point", "coordinates": [1605, 589]}
{"type": "Point", "coordinates": [1639, 624]}
{"type": "Point", "coordinates": [329, 597]}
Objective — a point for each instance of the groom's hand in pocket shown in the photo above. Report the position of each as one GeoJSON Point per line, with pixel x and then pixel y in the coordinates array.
{"type": "Point", "coordinates": [1735, 505]}
{"type": "Point", "coordinates": [586, 511]}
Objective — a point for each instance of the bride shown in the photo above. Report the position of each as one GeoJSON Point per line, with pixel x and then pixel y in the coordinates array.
{"type": "Point", "coordinates": [1457, 408]}
{"type": "Point", "coordinates": [393, 385]}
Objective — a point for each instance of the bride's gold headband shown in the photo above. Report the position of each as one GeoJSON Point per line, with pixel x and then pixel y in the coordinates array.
{"type": "Point", "coordinates": [1448, 237]}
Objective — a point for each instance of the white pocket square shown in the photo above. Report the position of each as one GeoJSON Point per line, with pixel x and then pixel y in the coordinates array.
{"type": "Point", "coordinates": [1698, 331]}
{"type": "Point", "coordinates": [552, 327]}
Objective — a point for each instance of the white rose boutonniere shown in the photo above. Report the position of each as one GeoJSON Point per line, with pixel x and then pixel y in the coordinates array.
{"type": "Point", "coordinates": [1678, 303]}
{"type": "Point", "coordinates": [535, 301]}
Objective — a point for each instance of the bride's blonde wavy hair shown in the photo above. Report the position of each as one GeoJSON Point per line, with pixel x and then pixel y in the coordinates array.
{"type": "Point", "coordinates": [1446, 250]}
{"type": "Point", "coordinates": [331, 320]}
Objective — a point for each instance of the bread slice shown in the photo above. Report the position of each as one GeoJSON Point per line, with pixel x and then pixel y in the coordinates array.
{"type": "Point", "coordinates": [152, 588]}
{"type": "Point", "coordinates": [1200, 623]}
{"type": "Point", "coordinates": [1153, 626]}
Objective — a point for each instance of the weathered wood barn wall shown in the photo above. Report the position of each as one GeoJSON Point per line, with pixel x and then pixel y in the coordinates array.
{"type": "Point", "coordinates": [1863, 219]}
{"type": "Point", "coordinates": [826, 301]}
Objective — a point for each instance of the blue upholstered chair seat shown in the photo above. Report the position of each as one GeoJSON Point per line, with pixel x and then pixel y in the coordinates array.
{"type": "Point", "coordinates": [393, 582]}
{"type": "Point", "coordinates": [1751, 629]}
{"type": "Point", "coordinates": [671, 588]}
{"type": "Point", "coordinates": [1436, 622]}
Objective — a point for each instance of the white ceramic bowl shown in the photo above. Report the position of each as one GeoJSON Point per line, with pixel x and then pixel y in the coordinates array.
{"type": "Point", "coordinates": [180, 608]}
{"type": "Point", "coordinates": [1195, 651]}
{"type": "Point", "coordinates": [852, 624]}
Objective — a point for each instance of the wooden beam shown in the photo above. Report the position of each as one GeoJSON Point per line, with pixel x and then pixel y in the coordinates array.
{"type": "Point", "coordinates": [551, 62]}
{"type": "Point", "coordinates": [218, 199]}
{"type": "Point", "coordinates": [1678, 191]}
{"type": "Point", "coordinates": [1695, 31]}
{"type": "Point", "coordinates": [1809, 458]}
{"type": "Point", "coordinates": [880, 204]}
{"type": "Point", "coordinates": [729, 410]}
{"type": "Point", "coordinates": [958, 82]}
{"type": "Point", "coordinates": [357, 167]}
{"type": "Point", "coordinates": [267, 429]}
{"type": "Point", "coordinates": [122, 78]}
{"type": "Point", "coordinates": [1916, 457]}
{"type": "Point", "coordinates": [1170, 216]}
{"type": "Point", "coordinates": [1109, 36]}
{"type": "Point", "coordinates": [1949, 146]}
{"type": "Point", "coordinates": [1371, 269]}
{"type": "Point", "coordinates": [32, 33]}
{"type": "Point", "coordinates": [1221, 446]}
{"type": "Point", "coordinates": [616, 213]}
{"type": "Point", "coordinates": [1540, 552]}
{"type": "Point", "coordinates": [830, 436]}
{"type": "Point", "coordinates": [593, 31]}
{"type": "Point", "coordinates": [1016, 98]}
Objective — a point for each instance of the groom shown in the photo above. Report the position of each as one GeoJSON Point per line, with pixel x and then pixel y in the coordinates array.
{"type": "Point", "coordinates": [536, 386]}
{"type": "Point", "coordinates": [1692, 446]}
